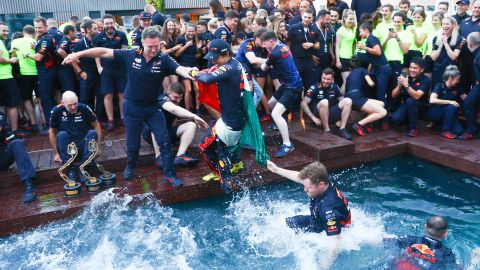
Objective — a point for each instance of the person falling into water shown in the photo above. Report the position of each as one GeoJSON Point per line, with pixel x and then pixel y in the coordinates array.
{"type": "Point", "coordinates": [329, 209]}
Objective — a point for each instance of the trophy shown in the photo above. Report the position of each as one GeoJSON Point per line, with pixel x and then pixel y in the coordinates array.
{"type": "Point", "coordinates": [93, 184]}
{"type": "Point", "coordinates": [71, 188]}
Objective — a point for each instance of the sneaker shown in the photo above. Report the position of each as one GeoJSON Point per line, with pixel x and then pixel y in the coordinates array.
{"type": "Point", "coordinates": [184, 160]}
{"type": "Point", "coordinates": [173, 181]}
{"type": "Point", "coordinates": [448, 135]}
{"type": "Point", "coordinates": [368, 128]}
{"type": "Point", "coordinates": [128, 173]}
{"type": "Point", "coordinates": [284, 150]}
{"type": "Point", "coordinates": [32, 128]}
{"type": "Point", "coordinates": [413, 133]}
{"type": "Point", "coordinates": [265, 117]}
{"type": "Point", "coordinates": [344, 134]}
{"type": "Point", "coordinates": [21, 133]}
{"type": "Point", "coordinates": [359, 129]}
{"type": "Point", "coordinates": [110, 126]}
{"type": "Point", "coordinates": [467, 136]}
{"type": "Point", "coordinates": [237, 167]}
{"type": "Point", "coordinates": [272, 127]}
{"type": "Point", "coordinates": [211, 177]}
{"type": "Point", "coordinates": [158, 162]}
{"type": "Point", "coordinates": [29, 191]}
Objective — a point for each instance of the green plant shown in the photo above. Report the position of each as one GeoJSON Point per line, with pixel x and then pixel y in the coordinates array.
{"type": "Point", "coordinates": [158, 4]}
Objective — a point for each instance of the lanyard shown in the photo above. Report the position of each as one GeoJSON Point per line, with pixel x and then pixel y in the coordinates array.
{"type": "Point", "coordinates": [305, 33]}
{"type": "Point", "coordinates": [85, 41]}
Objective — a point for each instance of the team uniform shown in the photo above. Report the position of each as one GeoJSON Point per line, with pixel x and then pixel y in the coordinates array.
{"type": "Point", "coordinates": [65, 72]}
{"type": "Point", "coordinates": [189, 57]}
{"type": "Point", "coordinates": [355, 86]}
{"type": "Point", "coordinates": [323, 54]}
{"type": "Point", "coordinates": [205, 38]}
{"type": "Point", "coordinates": [466, 57]}
{"type": "Point", "coordinates": [28, 81]}
{"type": "Point", "coordinates": [224, 33]}
{"type": "Point", "coordinates": [137, 38]}
{"type": "Point", "coordinates": [471, 103]}
{"type": "Point", "coordinates": [381, 70]}
{"type": "Point", "coordinates": [47, 72]}
{"type": "Point", "coordinates": [443, 60]}
{"type": "Point", "coordinates": [317, 93]}
{"type": "Point", "coordinates": [9, 94]}
{"type": "Point", "coordinates": [446, 114]}
{"type": "Point", "coordinates": [329, 212]}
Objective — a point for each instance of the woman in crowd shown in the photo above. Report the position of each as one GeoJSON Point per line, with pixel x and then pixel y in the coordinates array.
{"type": "Point", "coordinates": [344, 45]}
{"type": "Point", "coordinates": [169, 46]}
{"type": "Point", "coordinates": [216, 9]}
{"type": "Point", "coordinates": [420, 34]}
{"type": "Point", "coordinates": [237, 6]}
{"type": "Point", "coordinates": [435, 27]}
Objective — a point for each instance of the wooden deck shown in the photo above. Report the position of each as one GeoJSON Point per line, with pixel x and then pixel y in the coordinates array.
{"type": "Point", "coordinates": [310, 144]}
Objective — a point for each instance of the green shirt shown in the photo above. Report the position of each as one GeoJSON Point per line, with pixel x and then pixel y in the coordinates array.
{"type": "Point", "coordinates": [346, 44]}
{"type": "Point", "coordinates": [129, 38]}
{"type": "Point", "coordinates": [23, 46]}
{"type": "Point", "coordinates": [382, 30]}
{"type": "Point", "coordinates": [393, 51]}
{"type": "Point", "coordinates": [419, 31]}
{"type": "Point", "coordinates": [5, 69]}
{"type": "Point", "coordinates": [428, 46]}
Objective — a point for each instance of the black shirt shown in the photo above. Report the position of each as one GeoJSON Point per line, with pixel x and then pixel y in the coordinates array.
{"type": "Point", "coordinates": [158, 18]}
{"type": "Point", "coordinates": [443, 60]}
{"type": "Point", "coordinates": [169, 117]}
{"type": "Point", "coordinates": [144, 79]}
{"type": "Point", "coordinates": [223, 32]}
{"type": "Point", "coordinates": [466, 27]}
{"type": "Point", "coordinates": [189, 57]}
{"type": "Point", "coordinates": [317, 92]}
{"type": "Point", "coordinates": [67, 45]}
{"type": "Point", "coordinates": [56, 34]}
{"type": "Point", "coordinates": [377, 61]}
{"type": "Point", "coordinates": [460, 19]}
{"type": "Point", "coordinates": [423, 83]}
{"type": "Point", "coordinates": [46, 46]}
{"type": "Point", "coordinates": [446, 93]}
{"type": "Point", "coordinates": [118, 40]}
{"type": "Point", "coordinates": [297, 36]}
{"type": "Point", "coordinates": [325, 38]}
{"type": "Point", "coordinates": [76, 125]}
{"type": "Point", "coordinates": [356, 80]}
{"type": "Point", "coordinates": [87, 64]}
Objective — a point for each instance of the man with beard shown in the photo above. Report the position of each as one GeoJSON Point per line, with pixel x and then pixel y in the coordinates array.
{"type": "Point", "coordinates": [112, 73]}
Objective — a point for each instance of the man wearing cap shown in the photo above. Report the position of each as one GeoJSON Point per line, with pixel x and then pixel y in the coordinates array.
{"type": "Point", "coordinates": [146, 70]}
{"type": "Point", "coordinates": [462, 8]}
{"type": "Point", "coordinates": [145, 21]}
{"type": "Point", "coordinates": [426, 252]}
{"type": "Point", "coordinates": [12, 150]}
{"type": "Point", "coordinates": [218, 141]}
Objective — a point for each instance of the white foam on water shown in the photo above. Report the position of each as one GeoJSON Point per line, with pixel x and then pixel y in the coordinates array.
{"type": "Point", "coordinates": [263, 227]}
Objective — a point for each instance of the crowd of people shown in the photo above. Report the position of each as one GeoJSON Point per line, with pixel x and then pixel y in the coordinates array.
{"type": "Point", "coordinates": [392, 66]}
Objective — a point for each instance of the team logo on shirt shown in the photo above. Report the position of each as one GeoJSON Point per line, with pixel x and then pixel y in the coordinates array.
{"type": "Point", "coordinates": [138, 60]}
{"type": "Point", "coordinates": [156, 63]}
{"type": "Point", "coordinates": [117, 38]}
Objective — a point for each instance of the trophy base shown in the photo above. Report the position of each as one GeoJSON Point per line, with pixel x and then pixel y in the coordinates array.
{"type": "Point", "coordinates": [72, 191]}
{"type": "Point", "coordinates": [108, 180]}
{"type": "Point", "coordinates": [94, 187]}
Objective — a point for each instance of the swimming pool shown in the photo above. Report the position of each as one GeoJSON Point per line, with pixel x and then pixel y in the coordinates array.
{"type": "Point", "coordinates": [390, 197]}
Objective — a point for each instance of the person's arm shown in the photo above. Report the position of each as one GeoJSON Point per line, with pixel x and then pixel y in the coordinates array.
{"type": "Point", "coordinates": [91, 53]}
{"type": "Point", "coordinates": [435, 100]}
{"type": "Point", "coordinates": [331, 252]}
{"type": "Point", "coordinates": [184, 72]}
{"type": "Point", "coordinates": [183, 48]}
{"type": "Point", "coordinates": [308, 112]}
{"type": "Point", "coordinates": [265, 67]}
{"type": "Point", "coordinates": [337, 51]}
{"type": "Point", "coordinates": [254, 60]}
{"type": "Point", "coordinates": [419, 38]}
{"type": "Point", "coordinates": [52, 136]}
{"type": "Point", "coordinates": [375, 51]}
{"type": "Point", "coordinates": [436, 49]}
{"type": "Point", "coordinates": [452, 54]}
{"type": "Point", "coordinates": [183, 113]}
{"type": "Point", "coordinates": [369, 80]}
{"type": "Point", "coordinates": [12, 60]}
{"type": "Point", "coordinates": [396, 91]}
{"type": "Point", "coordinates": [98, 129]}
{"type": "Point", "coordinates": [316, 45]}
{"type": "Point", "coordinates": [62, 53]}
{"type": "Point", "coordinates": [219, 74]}
{"type": "Point", "coordinates": [290, 175]}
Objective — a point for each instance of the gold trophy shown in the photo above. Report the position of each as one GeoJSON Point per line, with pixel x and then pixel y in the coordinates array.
{"type": "Point", "coordinates": [93, 184]}
{"type": "Point", "coordinates": [71, 188]}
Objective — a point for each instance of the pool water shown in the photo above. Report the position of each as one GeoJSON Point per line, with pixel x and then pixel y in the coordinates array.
{"type": "Point", "coordinates": [388, 198]}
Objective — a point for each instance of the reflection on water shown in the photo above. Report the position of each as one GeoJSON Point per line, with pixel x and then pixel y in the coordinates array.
{"type": "Point", "coordinates": [248, 231]}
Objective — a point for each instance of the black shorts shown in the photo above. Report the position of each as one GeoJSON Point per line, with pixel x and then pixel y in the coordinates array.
{"type": "Point", "coordinates": [357, 99]}
{"type": "Point", "coordinates": [346, 65]}
{"type": "Point", "coordinates": [289, 97]}
{"type": "Point", "coordinates": [112, 83]}
{"type": "Point", "coordinates": [9, 94]}
{"type": "Point", "coordinates": [334, 113]}
{"type": "Point", "coordinates": [27, 84]}
{"type": "Point", "coordinates": [259, 73]}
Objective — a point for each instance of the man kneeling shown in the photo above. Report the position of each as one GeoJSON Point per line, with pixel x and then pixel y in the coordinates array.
{"type": "Point", "coordinates": [73, 122]}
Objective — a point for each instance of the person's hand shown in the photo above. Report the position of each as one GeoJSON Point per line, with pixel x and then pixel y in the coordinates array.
{"type": "Point", "coordinates": [393, 34]}
{"type": "Point", "coordinates": [70, 58]}
{"type": "Point", "coordinates": [83, 75]}
{"type": "Point", "coordinates": [317, 121]}
{"type": "Point", "coordinates": [361, 46]}
{"type": "Point", "coordinates": [444, 40]}
{"type": "Point", "coordinates": [13, 60]}
{"type": "Point", "coordinates": [454, 103]}
{"type": "Point", "coordinates": [200, 122]}
{"type": "Point", "coordinates": [189, 43]}
{"type": "Point", "coordinates": [307, 45]}
{"type": "Point", "coordinates": [402, 80]}
{"type": "Point", "coordinates": [56, 158]}
{"type": "Point", "coordinates": [338, 65]}
{"type": "Point", "coordinates": [272, 166]}
{"type": "Point", "coordinates": [316, 60]}
{"type": "Point", "coordinates": [100, 70]}
{"type": "Point", "coordinates": [193, 72]}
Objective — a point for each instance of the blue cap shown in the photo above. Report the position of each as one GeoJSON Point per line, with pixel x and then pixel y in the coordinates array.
{"type": "Point", "coordinates": [217, 48]}
{"type": "Point", "coordinates": [465, 2]}
{"type": "Point", "coordinates": [145, 15]}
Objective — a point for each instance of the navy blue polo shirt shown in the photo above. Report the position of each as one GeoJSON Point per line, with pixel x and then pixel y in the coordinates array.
{"type": "Point", "coordinates": [317, 93]}
{"type": "Point", "coordinates": [330, 211]}
{"type": "Point", "coordinates": [169, 117]}
{"type": "Point", "coordinates": [246, 47]}
{"type": "Point", "coordinates": [294, 20]}
{"type": "Point", "coordinates": [229, 81]}
{"type": "Point", "coordinates": [466, 27]}
{"type": "Point", "coordinates": [376, 61]}
{"type": "Point", "coordinates": [341, 5]}
{"type": "Point", "coordinates": [87, 64]}
{"type": "Point", "coordinates": [78, 36]}
{"type": "Point", "coordinates": [461, 19]}
{"type": "Point", "coordinates": [282, 61]}
{"type": "Point", "coordinates": [423, 83]}
{"type": "Point", "coordinates": [158, 18]}
{"type": "Point", "coordinates": [75, 124]}
{"type": "Point", "coordinates": [365, 6]}
{"type": "Point", "coordinates": [356, 80]}
{"type": "Point", "coordinates": [144, 79]}
{"type": "Point", "coordinates": [56, 34]}
{"type": "Point", "coordinates": [67, 45]}
{"type": "Point", "coordinates": [137, 37]}
{"type": "Point", "coordinates": [189, 57]}
{"type": "Point", "coordinates": [446, 93]}
{"type": "Point", "coordinates": [325, 38]}
{"type": "Point", "coordinates": [119, 39]}
{"type": "Point", "coordinates": [297, 36]}
{"type": "Point", "coordinates": [476, 63]}
{"type": "Point", "coordinates": [443, 60]}
{"type": "Point", "coordinates": [46, 46]}
{"type": "Point", "coordinates": [223, 32]}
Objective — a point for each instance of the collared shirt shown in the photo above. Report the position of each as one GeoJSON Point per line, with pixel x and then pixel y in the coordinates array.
{"type": "Point", "coordinates": [144, 79]}
{"type": "Point", "coordinates": [75, 124]}
{"type": "Point", "coordinates": [467, 27]}
{"type": "Point", "coordinates": [282, 61]}
{"type": "Point", "coordinates": [316, 93]}
{"type": "Point", "coordinates": [158, 18]}
{"type": "Point", "coordinates": [446, 93]}
{"type": "Point", "coordinates": [117, 41]}
{"type": "Point", "coordinates": [56, 34]}
{"type": "Point", "coordinates": [137, 37]}
{"type": "Point", "coordinates": [189, 57]}
{"type": "Point", "coordinates": [87, 64]}
{"type": "Point", "coordinates": [460, 19]}
{"type": "Point", "coordinates": [297, 35]}
{"type": "Point", "coordinates": [423, 83]}
{"type": "Point", "coordinates": [223, 32]}
{"type": "Point", "coordinates": [443, 60]}
{"type": "Point", "coordinates": [46, 46]}
{"type": "Point", "coordinates": [249, 46]}
{"type": "Point", "coordinates": [67, 45]}
{"type": "Point", "coordinates": [377, 61]}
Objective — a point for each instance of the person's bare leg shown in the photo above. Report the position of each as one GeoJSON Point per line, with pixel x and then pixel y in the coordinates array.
{"type": "Point", "coordinates": [108, 102]}
{"type": "Point", "coordinates": [30, 111]}
{"type": "Point", "coordinates": [186, 133]}
{"type": "Point", "coordinates": [374, 110]}
{"type": "Point", "coordinates": [344, 79]}
{"type": "Point", "coordinates": [188, 94]}
{"type": "Point", "coordinates": [323, 111]}
{"type": "Point", "coordinates": [40, 109]}
{"type": "Point", "coordinates": [282, 125]}
{"type": "Point", "coordinates": [13, 116]}
{"type": "Point", "coordinates": [156, 148]}
{"type": "Point", "coordinates": [120, 104]}
{"type": "Point", "coordinates": [346, 107]}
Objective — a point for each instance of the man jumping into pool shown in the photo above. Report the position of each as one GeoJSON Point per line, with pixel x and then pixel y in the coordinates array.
{"type": "Point", "coordinates": [329, 209]}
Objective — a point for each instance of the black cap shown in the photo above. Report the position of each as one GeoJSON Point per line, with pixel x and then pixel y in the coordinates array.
{"type": "Point", "coordinates": [3, 119]}
{"type": "Point", "coordinates": [217, 48]}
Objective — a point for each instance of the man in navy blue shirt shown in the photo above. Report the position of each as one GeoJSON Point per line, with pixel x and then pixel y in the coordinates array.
{"type": "Point", "coordinates": [365, 6]}
{"type": "Point", "coordinates": [329, 210]}
{"type": "Point", "coordinates": [228, 29]}
{"type": "Point", "coordinates": [426, 252]}
{"type": "Point", "coordinates": [157, 17]}
{"type": "Point", "coordinates": [112, 72]}
{"type": "Point", "coordinates": [462, 8]}
{"type": "Point", "coordinates": [53, 30]}
{"type": "Point", "coordinates": [73, 122]}
{"type": "Point", "coordinates": [66, 46]}
{"type": "Point", "coordinates": [468, 26]}
{"type": "Point", "coordinates": [146, 70]}
{"type": "Point", "coordinates": [289, 93]}
{"type": "Point", "coordinates": [323, 56]}
{"type": "Point", "coordinates": [145, 21]}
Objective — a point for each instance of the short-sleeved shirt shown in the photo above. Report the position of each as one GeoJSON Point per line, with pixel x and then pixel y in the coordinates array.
{"type": "Point", "coordinates": [383, 29]}
{"type": "Point", "coordinates": [377, 61]}
{"type": "Point", "coordinates": [446, 93]}
{"type": "Point", "coordinates": [460, 19]}
{"type": "Point", "coordinates": [67, 45]}
{"type": "Point", "coordinates": [282, 61]}
{"type": "Point", "coordinates": [393, 51]}
{"type": "Point", "coordinates": [223, 32]}
{"type": "Point", "coordinates": [137, 37]}
{"type": "Point", "coordinates": [316, 93]}
{"type": "Point", "coordinates": [422, 253]}
{"type": "Point", "coordinates": [144, 79]}
{"type": "Point", "coordinates": [169, 117]}
{"type": "Point", "coordinates": [46, 46]}
{"type": "Point", "coordinates": [5, 68]}
{"type": "Point", "coordinates": [189, 57]}
{"type": "Point", "coordinates": [346, 44]}
{"type": "Point", "coordinates": [330, 211]}
{"type": "Point", "coordinates": [117, 41]}
{"type": "Point", "coordinates": [467, 27]}
{"type": "Point", "coordinates": [423, 83]}
{"type": "Point", "coordinates": [443, 60]}
{"type": "Point", "coordinates": [325, 38]}
{"type": "Point", "coordinates": [23, 46]}
{"type": "Point", "coordinates": [424, 29]}
{"type": "Point", "coordinates": [356, 80]}
{"type": "Point", "coordinates": [56, 34]}
{"type": "Point", "coordinates": [87, 64]}
{"type": "Point", "coordinates": [297, 35]}
{"type": "Point", "coordinates": [158, 18]}
{"type": "Point", "coordinates": [76, 125]}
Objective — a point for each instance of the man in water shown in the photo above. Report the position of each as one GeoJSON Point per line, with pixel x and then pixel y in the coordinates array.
{"type": "Point", "coordinates": [426, 252]}
{"type": "Point", "coordinates": [329, 209]}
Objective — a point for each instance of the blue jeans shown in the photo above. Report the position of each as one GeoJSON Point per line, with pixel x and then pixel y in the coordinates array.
{"type": "Point", "coordinates": [15, 151]}
{"type": "Point", "coordinates": [410, 111]}
{"type": "Point", "coordinates": [447, 116]}
{"type": "Point", "coordinates": [382, 79]}
{"type": "Point", "coordinates": [64, 139]}
{"type": "Point", "coordinates": [471, 104]}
